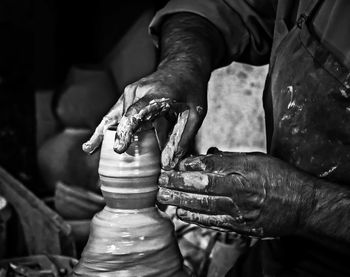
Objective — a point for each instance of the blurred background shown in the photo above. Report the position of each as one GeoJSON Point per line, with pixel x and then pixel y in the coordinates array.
{"type": "Point", "coordinates": [235, 120]}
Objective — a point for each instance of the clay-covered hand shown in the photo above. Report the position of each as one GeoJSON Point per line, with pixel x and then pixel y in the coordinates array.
{"type": "Point", "coordinates": [248, 193]}
{"type": "Point", "coordinates": [173, 92]}
{"type": "Point", "coordinates": [178, 90]}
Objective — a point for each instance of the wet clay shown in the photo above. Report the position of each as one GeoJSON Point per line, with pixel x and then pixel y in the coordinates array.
{"type": "Point", "coordinates": [130, 236]}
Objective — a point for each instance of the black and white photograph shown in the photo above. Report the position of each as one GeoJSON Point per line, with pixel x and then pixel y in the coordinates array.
{"type": "Point", "coordinates": [175, 138]}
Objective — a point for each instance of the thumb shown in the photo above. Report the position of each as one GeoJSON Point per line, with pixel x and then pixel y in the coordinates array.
{"type": "Point", "coordinates": [185, 129]}
{"type": "Point", "coordinates": [172, 151]}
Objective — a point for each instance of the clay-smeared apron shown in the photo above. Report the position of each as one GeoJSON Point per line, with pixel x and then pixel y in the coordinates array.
{"type": "Point", "coordinates": [307, 105]}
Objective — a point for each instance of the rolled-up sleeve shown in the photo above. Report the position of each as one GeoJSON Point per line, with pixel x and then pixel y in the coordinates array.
{"type": "Point", "coordinates": [246, 25]}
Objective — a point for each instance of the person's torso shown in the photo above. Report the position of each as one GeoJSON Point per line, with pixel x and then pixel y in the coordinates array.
{"type": "Point", "coordinates": [307, 106]}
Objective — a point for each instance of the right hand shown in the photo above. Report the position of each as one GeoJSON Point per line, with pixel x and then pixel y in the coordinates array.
{"type": "Point", "coordinates": [251, 194]}
{"type": "Point", "coordinates": [175, 91]}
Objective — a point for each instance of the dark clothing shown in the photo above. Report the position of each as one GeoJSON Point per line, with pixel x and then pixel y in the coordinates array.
{"type": "Point", "coordinates": [332, 26]}
{"type": "Point", "coordinates": [252, 29]}
{"type": "Point", "coordinates": [307, 106]}
{"type": "Point", "coordinates": [306, 90]}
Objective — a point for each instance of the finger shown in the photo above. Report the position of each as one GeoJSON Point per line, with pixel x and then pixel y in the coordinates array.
{"type": "Point", "coordinates": [96, 139]}
{"type": "Point", "coordinates": [193, 163]}
{"type": "Point", "coordinates": [172, 151]}
{"type": "Point", "coordinates": [196, 202]}
{"type": "Point", "coordinates": [188, 123]}
{"type": "Point", "coordinates": [219, 222]}
{"type": "Point", "coordinates": [234, 163]}
{"type": "Point", "coordinates": [232, 186]}
{"type": "Point", "coordinates": [108, 120]}
{"type": "Point", "coordinates": [165, 125]}
{"type": "Point", "coordinates": [145, 109]}
{"type": "Point", "coordinates": [196, 182]}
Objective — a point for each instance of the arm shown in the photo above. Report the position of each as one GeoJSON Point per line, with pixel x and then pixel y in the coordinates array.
{"type": "Point", "coordinates": [246, 26]}
{"type": "Point", "coordinates": [330, 214]}
{"type": "Point", "coordinates": [190, 47]}
{"type": "Point", "coordinates": [188, 40]}
{"type": "Point", "coordinates": [195, 37]}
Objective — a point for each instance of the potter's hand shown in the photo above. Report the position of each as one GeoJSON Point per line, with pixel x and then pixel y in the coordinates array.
{"type": "Point", "coordinates": [174, 92]}
{"type": "Point", "coordinates": [190, 48]}
{"type": "Point", "coordinates": [252, 194]}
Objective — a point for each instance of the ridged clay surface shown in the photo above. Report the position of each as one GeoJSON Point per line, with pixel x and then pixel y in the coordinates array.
{"type": "Point", "coordinates": [130, 236]}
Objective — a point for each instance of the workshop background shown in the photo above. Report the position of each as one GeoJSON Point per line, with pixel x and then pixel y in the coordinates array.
{"type": "Point", "coordinates": [235, 119]}
{"type": "Point", "coordinates": [61, 68]}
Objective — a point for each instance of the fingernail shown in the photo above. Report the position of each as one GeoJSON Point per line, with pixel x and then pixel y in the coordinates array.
{"type": "Point", "coordinates": [86, 147]}
{"type": "Point", "coordinates": [118, 146]}
{"type": "Point", "coordinates": [163, 179]}
{"type": "Point", "coordinates": [87, 144]}
{"type": "Point", "coordinates": [164, 195]}
{"type": "Point", "coordinates": [169, 163]}
{"type": "Point", "coordinates": [172, 164]}
{"type": "Point", "coordinates": [166, 167]}
{"type": "Point", "coordinates": [181, 212]}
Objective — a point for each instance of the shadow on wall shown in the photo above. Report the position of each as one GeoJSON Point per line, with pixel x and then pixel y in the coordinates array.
{"type": "Point", "coordinates": [235, 119]}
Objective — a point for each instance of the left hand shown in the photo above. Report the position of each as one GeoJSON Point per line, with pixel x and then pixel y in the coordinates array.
{"type": "Point", "coordinates": [249, 193]}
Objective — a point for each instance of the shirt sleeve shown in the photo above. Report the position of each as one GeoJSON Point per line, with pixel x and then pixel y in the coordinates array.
{"type": "Point", "coordinates": [246, 25]}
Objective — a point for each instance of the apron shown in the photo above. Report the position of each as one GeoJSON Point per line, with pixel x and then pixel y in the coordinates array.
{"type": "Point", "coordinates": [307, 106]}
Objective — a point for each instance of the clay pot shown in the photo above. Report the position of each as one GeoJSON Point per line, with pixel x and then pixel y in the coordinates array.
{"type": "Point", "coordinates": [130, 236]}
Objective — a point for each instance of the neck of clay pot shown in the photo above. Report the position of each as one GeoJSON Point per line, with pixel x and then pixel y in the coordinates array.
{"type": "Point", "coordinates": [129, 180]}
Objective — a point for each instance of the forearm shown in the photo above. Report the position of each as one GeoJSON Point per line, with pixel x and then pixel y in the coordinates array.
{"type": "Point", "coordinates": [330, 213]}
{"type": "Point", "coordinates": [190, 42]}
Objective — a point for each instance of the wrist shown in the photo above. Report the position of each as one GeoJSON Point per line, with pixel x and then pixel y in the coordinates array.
{"type": "Point", "coordinates": [307, 203]}
{"type": "Point", "coordinates": [329, 214]}
{"type": "Point", "coordinates": [182, 75]}
{"type": "Point", "coordinates": [191, 40]}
